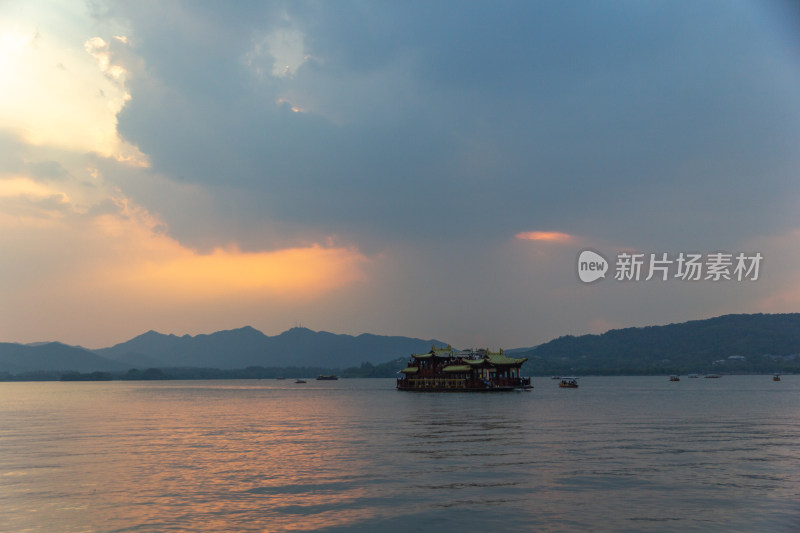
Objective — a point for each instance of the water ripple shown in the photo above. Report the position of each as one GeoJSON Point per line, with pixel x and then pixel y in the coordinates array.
{"type": "Point", "coordinates": [630, 454]}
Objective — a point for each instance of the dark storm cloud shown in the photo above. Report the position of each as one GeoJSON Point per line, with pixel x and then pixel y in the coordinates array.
{"type": "Point", "coordinates": [627, 121]}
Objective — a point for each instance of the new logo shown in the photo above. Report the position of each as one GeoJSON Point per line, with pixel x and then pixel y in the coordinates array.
{"type": "Point", "coordinates": [591, 266]}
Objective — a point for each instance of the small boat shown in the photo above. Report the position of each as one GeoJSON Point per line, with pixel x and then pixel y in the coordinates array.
{"type": "Point", "coordinates": [674, 378]}
{"type": "Point", "coordinates": [568, 383]}
{"type": "Point", "coordinates": [328, 377]}
{"type": "Point", "coordinates": [300, 380]}
{"type": "Point", "coordinates": [776, 377]}
{"type": "Point", "coordinates": [712, 376]}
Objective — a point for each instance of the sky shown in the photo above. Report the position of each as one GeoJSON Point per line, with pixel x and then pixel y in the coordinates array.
{"type": "Point", "coordinates": [427, 169]}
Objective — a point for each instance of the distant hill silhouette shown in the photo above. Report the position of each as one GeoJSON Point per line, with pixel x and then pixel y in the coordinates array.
{"type": "Point", "coordinates": [52, 356]}
{"type": "Point", "coordinates": [243, 347]}
{"type": "Point", "coordinates": [735, 343]}
{"type": "Point", "coordinates": [757, 342]}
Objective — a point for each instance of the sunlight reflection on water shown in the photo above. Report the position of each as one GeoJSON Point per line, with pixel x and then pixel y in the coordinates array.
{"type": "Point", "coordinates": [636, 454]}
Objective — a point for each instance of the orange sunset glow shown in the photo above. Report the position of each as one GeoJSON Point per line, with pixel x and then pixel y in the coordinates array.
{"type": "Point", "coordinates": [346, 265]}
{"type": "Point", "coordinates": [239, 172]}
{"type": "Point", "coordinates": [549, 236]}
{"type": "Point", "coordinates": [298, 271]}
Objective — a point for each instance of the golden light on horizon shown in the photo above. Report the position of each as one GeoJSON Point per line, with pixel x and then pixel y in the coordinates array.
{"type": "Point", "coordinates": [550, 236]}
{"type": "Point", "coordinates": [295, 272]}
{"type": "Point", "coordinates": [158, 264]}
{"type": "Point", "coordinates": [109, 276]}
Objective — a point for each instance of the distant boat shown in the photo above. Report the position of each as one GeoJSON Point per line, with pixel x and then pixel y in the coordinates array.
{"type": "Point", "coordinates": [674, 378]}
{"type": "Point", "coordinates": [328, 377]}
{"type": "Point", "coordinates": [568, 383]}
{"type": "Point", "coordinates": [776, 377]}
{"type": "Point", "coordinates": [712, 376]}
{"type": "Point", "coordinates": [299, 380]}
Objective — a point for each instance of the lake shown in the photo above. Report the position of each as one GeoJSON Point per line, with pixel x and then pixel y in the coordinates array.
{"type": "Point", "coordinates": [617, 454]}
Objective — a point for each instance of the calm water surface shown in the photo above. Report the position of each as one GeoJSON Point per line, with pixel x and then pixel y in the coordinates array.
{"type": "Point", "coordinates": [618, 454]}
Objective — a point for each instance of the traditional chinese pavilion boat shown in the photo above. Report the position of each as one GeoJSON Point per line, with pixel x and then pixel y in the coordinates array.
{"type": "Point", "coordinates": [448, 370]}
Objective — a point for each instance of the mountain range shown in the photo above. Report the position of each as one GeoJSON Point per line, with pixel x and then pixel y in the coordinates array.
{"type": "Point", "coordinates": [736, 343]}
{"type": "Point", "coordinates": [53, 357]}
{"type": "Point", "coordinates": [237, 348]}
{"type": "Point", "coordinates": [746, 342]}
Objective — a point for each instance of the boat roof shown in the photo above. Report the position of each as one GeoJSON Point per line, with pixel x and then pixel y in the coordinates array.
{"type": "Point", "coordinates": [493, 358]}
{"type": "Point", "coordinates": [435, 352]}
{"type": "Point", "coordinates": [500, 359]}
{"type": "Point", "coordinates": [496, 359]}
{"type": "Point", "coordinates": [457, 368]}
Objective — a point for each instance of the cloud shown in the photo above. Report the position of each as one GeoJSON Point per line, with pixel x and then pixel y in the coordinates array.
{"type": "Point", "coordinates": [22, 186]}
{"type": "Point", "coordinates": [160, 267]}
{"type": "Point", "coordinates": [549, 236]}
{"type": "Point", "coordinates": [544, 114]}
{"type": "Point", "coordinates": [120, 264]}
{"type": "Point", "coordinates": [362, 163]}
{"type": "Point", "coordinates": [283, 47]}
{"type": "Point", "coordinates": [55, 95]}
